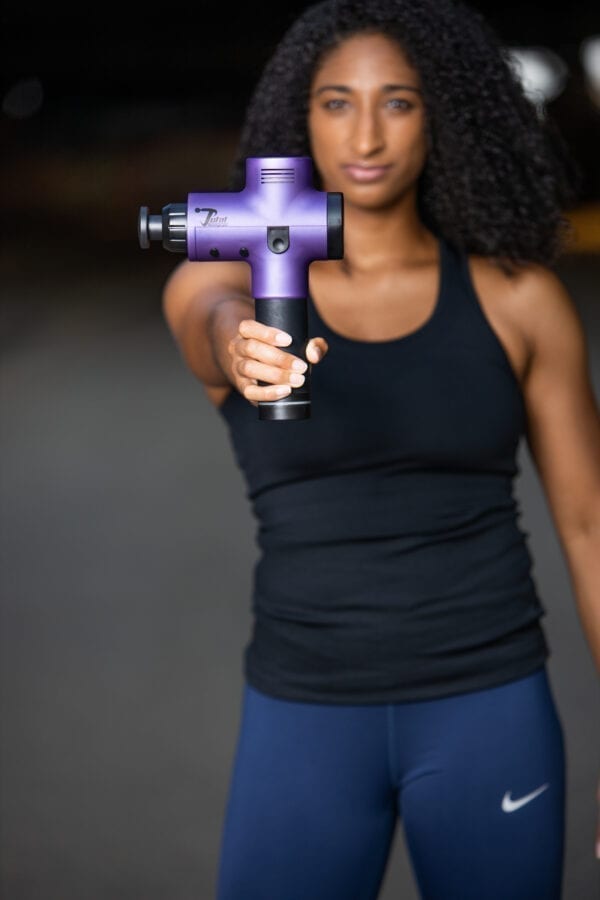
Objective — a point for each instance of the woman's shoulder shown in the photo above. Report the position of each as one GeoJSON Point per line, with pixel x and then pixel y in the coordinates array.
{"type": "Point", "coordinates": [529, 288]}
{"type": "Point", "coordinates": [527, 299]}
{"type": "Point", "coordinates": [523, 278]}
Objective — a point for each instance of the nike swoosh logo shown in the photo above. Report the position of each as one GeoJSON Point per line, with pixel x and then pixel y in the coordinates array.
{"type": "Point", "coordinates": [509, 805]}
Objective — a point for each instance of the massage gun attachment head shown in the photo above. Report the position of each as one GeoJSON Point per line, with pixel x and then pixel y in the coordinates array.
{"type": "Point", "coordinates": [170, 227]}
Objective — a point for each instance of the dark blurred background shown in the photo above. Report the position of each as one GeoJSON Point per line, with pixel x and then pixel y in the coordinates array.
{"type": "Point", "coordinates": [110, 106]}
{"type": "Point", "coordinates": [127, 544]}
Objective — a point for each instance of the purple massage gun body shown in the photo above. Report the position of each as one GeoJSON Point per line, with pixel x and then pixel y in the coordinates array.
{"type": "Point", "coordinates": [279, 223]}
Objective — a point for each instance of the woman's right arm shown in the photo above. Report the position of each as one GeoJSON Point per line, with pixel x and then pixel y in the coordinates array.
{"type": "Point", "coordinates": [204, 305]}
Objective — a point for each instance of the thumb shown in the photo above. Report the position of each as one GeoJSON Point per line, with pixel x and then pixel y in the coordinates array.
{"type": "Point", "coordinates": [316, 349]}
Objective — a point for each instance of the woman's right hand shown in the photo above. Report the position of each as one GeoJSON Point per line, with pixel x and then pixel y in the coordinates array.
{"type": "Point", "coordinates": [257, 356]}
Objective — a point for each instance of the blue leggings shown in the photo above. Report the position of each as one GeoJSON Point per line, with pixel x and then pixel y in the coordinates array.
{"type": "Point", "coordinates": [478, 780]}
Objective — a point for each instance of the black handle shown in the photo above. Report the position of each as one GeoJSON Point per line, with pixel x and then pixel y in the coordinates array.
{"type": "Point", "coordinates": [289, 315]}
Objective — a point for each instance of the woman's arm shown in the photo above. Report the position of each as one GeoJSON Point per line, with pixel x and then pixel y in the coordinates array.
{"type": "Point", "coordinates": [203, 304]}
{"type": "Point", "coordinates": [564, 433]}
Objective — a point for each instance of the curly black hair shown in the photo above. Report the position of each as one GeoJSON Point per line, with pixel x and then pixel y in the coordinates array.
{"type": "Point", "coordinates": [499, 177]}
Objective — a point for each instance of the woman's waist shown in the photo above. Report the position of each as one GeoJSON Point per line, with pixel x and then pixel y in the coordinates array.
{"type": "Point", "coordinates": [410, 566]}
{"type": "Point", "coordinates": [411, 574]}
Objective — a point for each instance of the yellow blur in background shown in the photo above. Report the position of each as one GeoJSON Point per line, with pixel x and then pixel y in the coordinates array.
{"type": "Point", "coordinates": [585, 221]}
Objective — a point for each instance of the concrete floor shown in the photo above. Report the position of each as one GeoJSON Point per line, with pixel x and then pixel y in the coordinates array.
{"type": "Point", "coordinates": [127, 547]}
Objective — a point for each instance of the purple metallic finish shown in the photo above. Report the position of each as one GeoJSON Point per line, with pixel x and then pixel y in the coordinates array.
{"type": "Point", "coordinates": [279, 192]}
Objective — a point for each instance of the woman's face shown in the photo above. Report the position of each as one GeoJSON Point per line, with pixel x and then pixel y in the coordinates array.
{"type": "Point", "coordinates": [366, 121]}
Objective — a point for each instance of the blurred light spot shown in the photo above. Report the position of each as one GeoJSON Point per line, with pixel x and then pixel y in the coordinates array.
{"type": "Point", "coordinates": [541, 72]}
{"type": "Point", "coordinates": [23, 99]}
{"type": "Point", "coordinates": [589, 55]}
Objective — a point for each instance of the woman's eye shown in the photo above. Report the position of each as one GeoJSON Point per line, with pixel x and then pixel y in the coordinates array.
{"type": "Point", "coordinates": [335, 103]}
{"type": "Point", "coordinates": [399, 103]}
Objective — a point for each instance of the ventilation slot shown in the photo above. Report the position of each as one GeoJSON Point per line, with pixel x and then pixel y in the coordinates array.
{"type": "Point", "coordinates": [277, 176]}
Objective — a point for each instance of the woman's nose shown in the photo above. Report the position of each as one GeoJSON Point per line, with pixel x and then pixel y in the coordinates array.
{"type": "Point", "coordinates": [367, 136]}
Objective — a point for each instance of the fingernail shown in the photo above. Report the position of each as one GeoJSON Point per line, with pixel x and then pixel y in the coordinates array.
{"type": "Point", "coordinates": [316, 353]}
{"type": "Point", "coordinates": [282, 338]}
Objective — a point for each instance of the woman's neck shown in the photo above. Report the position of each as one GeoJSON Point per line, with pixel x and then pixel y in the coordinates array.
{"type": "Point", "coordinates": [376, 239]}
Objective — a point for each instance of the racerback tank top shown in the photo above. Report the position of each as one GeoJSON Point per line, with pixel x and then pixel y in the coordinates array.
{"type": "Point", "coordinates": [392, 565]}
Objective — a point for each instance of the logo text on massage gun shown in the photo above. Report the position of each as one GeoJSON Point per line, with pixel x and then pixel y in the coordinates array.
{"type": "Point", "coordinates": [211, 217]}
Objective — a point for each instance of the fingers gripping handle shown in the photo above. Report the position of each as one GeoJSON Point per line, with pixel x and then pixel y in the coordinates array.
{"type": "Point", "coordinates": [289, 315]}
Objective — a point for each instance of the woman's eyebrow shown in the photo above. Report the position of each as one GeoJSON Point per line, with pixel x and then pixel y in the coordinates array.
{"type": "Point", "coordinates": [333, 87]}
{"type": "Point", "coordinates": [401, 87]}
{"type": "Point", "coordinates": [343, 88]}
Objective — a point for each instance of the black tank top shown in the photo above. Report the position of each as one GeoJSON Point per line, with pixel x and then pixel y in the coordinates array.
{"type": "Point", "coordinates": [391, 564]}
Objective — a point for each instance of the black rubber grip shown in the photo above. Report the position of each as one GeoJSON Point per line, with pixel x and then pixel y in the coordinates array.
{"type": "Point", "coordinates": [289, 315]}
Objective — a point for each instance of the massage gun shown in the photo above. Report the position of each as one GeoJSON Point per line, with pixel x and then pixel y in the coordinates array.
{"type": "Point", "coordinates": [278, 223]}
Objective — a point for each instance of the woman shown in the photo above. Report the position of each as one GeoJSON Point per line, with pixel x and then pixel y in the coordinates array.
{"type": "Point", "coordinates": [397, 666]}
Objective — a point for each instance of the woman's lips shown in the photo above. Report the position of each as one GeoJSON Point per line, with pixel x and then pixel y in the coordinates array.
{"type": "Point", "coordinates": [365, 173]}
